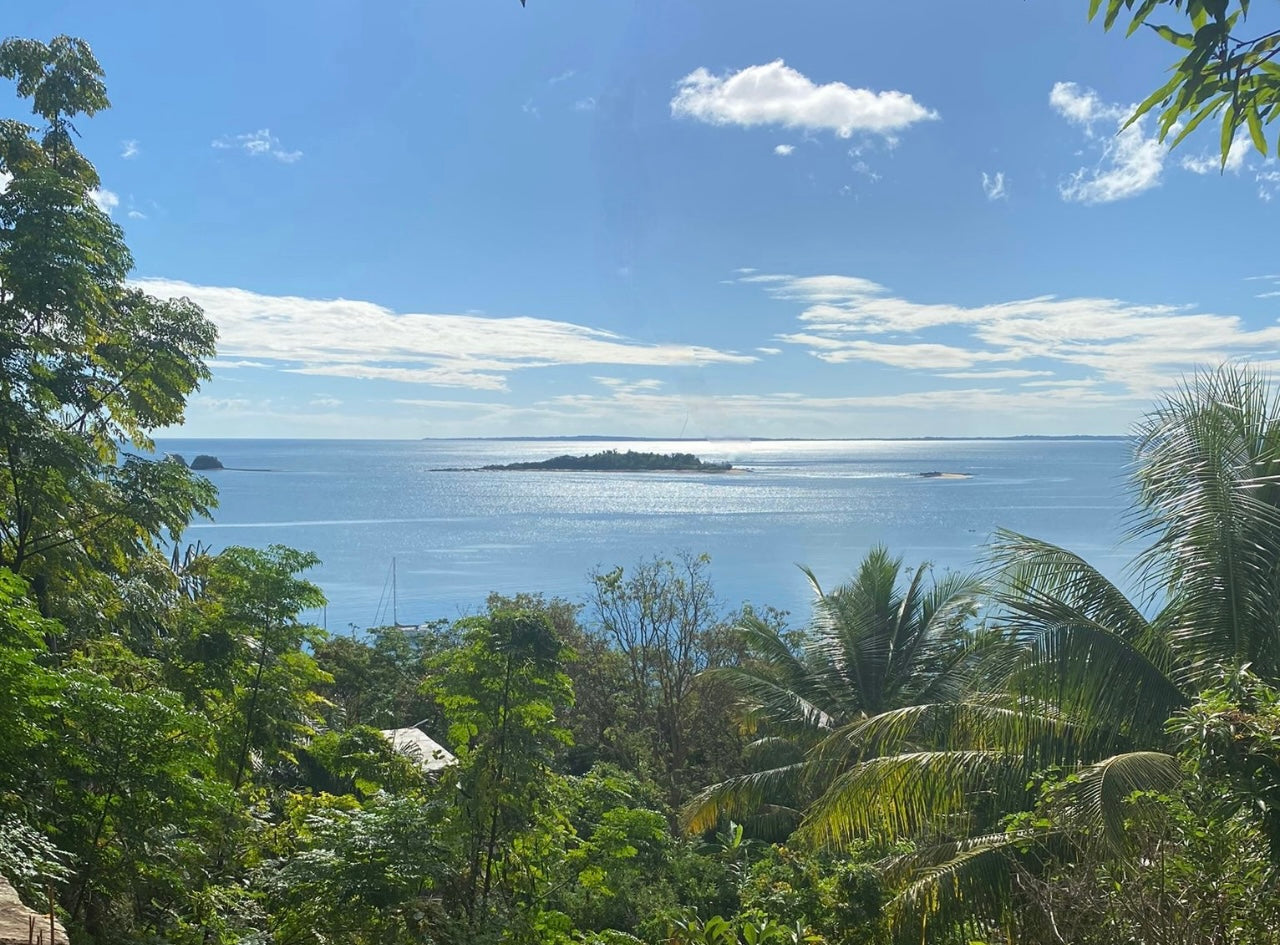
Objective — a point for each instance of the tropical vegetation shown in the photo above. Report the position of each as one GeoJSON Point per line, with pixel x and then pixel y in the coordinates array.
{"type": "Point", "coordinates": [1029, 754]}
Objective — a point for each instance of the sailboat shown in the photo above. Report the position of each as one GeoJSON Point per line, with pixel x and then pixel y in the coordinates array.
{"type": "Point", "coordinates": [394, 602]}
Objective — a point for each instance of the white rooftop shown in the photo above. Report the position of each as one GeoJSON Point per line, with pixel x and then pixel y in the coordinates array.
{"type": "Point", "coordinates": [423, 749]}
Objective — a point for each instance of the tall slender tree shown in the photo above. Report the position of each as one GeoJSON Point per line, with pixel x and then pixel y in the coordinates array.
{"type": "Point", "coordinates": [89, 366]}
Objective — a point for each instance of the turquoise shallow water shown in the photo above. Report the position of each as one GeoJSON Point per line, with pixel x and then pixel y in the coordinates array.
{"type": "Point", "coordinates": [455, 536]}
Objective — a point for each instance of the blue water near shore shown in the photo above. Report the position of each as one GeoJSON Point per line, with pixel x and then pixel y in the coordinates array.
{"type": "Point", "coordinates": [456, 536]}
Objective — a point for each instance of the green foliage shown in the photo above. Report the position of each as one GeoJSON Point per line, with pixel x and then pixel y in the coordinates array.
{"type": "Point", "coordinates": [1225, 70]}
{"type": "Point", "coordinates": [662, 618]}
{"type": "Point", "coordinates": [86, 363]}
{"type": "Point", "coordinates": [365, 874]}
{"type": "Point", "coordinates": [501, 692]}
{"type": "Point", "coordinates": [843, 900]}
{"type": "Point", "coordinates": [885, 640]}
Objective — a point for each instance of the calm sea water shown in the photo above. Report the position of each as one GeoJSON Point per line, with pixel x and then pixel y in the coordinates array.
{"type": "Point", "coordinates": [456, 536]}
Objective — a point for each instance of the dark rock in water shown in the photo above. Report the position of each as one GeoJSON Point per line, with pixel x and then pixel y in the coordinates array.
{"type": "Point", "coordinates": [176, 458]}
{"type": "Point", "coordinates": [938, 474]}
{"type": "Point", "coordinates": [203, 462]}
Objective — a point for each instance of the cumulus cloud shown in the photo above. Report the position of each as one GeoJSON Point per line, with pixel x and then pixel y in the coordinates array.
{"type": "Point", "coordinates": [783, 150]}
{"type": "Point", "coordinates": [105, 200]}
{"type": "Point", "coordinates": [345, 338]}
{"type": "Point", "coordinates": [993, 185]}
{"type": "Point", "coordinates": [261, 143]}
{"type": "Point", "coordinates": [776, 94]}
{"type": "Point", "coordinates": [1136, 348]}
{"type": "Point", "coordinates": [1129, 160]}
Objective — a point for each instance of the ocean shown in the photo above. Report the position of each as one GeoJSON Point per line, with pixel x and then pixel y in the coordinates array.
{"type": "Point", "coordinates": [455, 536]}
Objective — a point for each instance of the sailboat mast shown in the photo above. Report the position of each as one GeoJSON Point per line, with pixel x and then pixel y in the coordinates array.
{"type": "Point", "coordinates": [395, 613]}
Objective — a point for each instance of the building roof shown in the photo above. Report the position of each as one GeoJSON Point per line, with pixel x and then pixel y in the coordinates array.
{"type": "Point", "coordinates": [426, 751]}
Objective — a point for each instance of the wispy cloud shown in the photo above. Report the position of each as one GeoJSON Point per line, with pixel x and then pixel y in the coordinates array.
{"type": "Point", "coordinates": [783, 150]}
{"type": "Point", "coordinates": [1129, 160]}
{"type": "Point", "coordinates": [130, 149]}
{"type": "Point", "coordinates": [344, 338]}
{"type": "Point", "coordinates": [562, 77]}
{"type": "Point", "coordinates": [776, 94]}
{"type": "Point", "coordinates": [993, 185]}
{"type": "Point", "coordinates": [261, 143]}
{"type": "Point", "coordinates": [1136, 348]}
{"type": "Point", "coordinates": [1207, 163]}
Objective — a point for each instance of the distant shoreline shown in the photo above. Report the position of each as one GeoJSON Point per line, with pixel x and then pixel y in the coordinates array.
{"type": "Point", "coordinates": [1066, 438]}
{"type": "Point", "coordinates": [594, 438]}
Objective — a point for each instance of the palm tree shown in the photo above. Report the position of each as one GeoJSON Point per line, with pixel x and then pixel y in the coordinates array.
{"type": "Point", "coordinates": [885, 639]}
{"type": "Point", "coordinates": [1077, 675]}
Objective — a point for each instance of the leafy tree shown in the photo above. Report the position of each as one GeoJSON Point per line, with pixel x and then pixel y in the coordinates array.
{"type": "Point", "coordinates": [364, 874]}
{"type": "Point", "coordinates": [377, 679]}
{"type": "Point", "coordinates": [662, 617]}
{"type": "Point", "coordinates": [502, 691]}
{"type": "Point", "coordinates": [248, 631]}
{"type": "Point", "coordinates": [876, 643]}
{"type": "Point", "coordinates": [86, 362]}
{"type": "Point", "coordinates": [1226, 69]}
{"type": "Point", "coordinates": [129, 792]}
{"type": "Point", "coordinates": [1081, 679]}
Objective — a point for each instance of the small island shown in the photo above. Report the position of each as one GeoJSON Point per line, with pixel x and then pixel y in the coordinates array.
{"type": "Point", "coordinates": [613, 461]}
{"type": "Point", "coordinates": [204, 462]}
{"type": "Point", "coordinates": [936, 474]}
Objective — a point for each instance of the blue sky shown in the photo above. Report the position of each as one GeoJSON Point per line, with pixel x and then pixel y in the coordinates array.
{"type": "Point", "coordinates": [662, 218]}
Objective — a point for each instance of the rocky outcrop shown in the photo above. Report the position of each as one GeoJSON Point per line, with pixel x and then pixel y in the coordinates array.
{"type": "Point", "coordinates": [203, 462]}
{"type": "Point", "coordinates": [22, 926]}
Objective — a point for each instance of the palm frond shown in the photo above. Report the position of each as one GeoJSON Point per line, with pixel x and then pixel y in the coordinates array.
{"type": "Point", "coordinates": [916, 793]}
{"type": "Point", "coordinates": [960, 885]}
{"type": "Point", "coordinates": [1208, 476]}
{"type": "Point", "coordinates": [1093, 806]}
{"type": "Point", "coordinates": [740, 797]}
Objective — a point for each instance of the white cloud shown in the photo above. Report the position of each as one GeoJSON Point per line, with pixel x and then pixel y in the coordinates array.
{"type": "Point", "coordinates": [324, 400]}
{"type": "Point", "coordinates": [993, 185]}
{"type": "Point", "coordinates": [783, 150]}
{"type": "Point", "coordinates": [1212, 163]}
{"type": "Point", "coordinates": [344, 338]}
{"type": "Point", "coordinates": [769, 350]}
{"type": "Point", "coordinates": [587, 104]}
{"type": "Point", "coordinates": [1000, 374]}
{"type": "Point", "coordinates": [1268, 184]}
{"type": "Point", "coordinates": [261, 143]}
{"type": "Point", "coordinates": [105, 200]}
{"type": "Point", "coordinates": [1129, 161]}
{"type": "Point", "coordinates": [220, 364]}
{"type": "Point", "coordinates": [136, 215]}
{"type": "Point", "coordinates": [562, 77]}
{"type": "Point", "coordinates": [129, 149]}
{"type": "Point", "coordinates": [1134, 347]}
{"type": "Point", "coordinates": [775, 94]}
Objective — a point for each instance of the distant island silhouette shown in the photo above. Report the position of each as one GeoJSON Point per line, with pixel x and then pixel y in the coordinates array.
{"type": "Point", "coordinates": [609, 461]}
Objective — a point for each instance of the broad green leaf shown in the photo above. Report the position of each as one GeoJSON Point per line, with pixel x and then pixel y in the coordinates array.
{"type": "Point", "coordinates": [1255, 129]}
